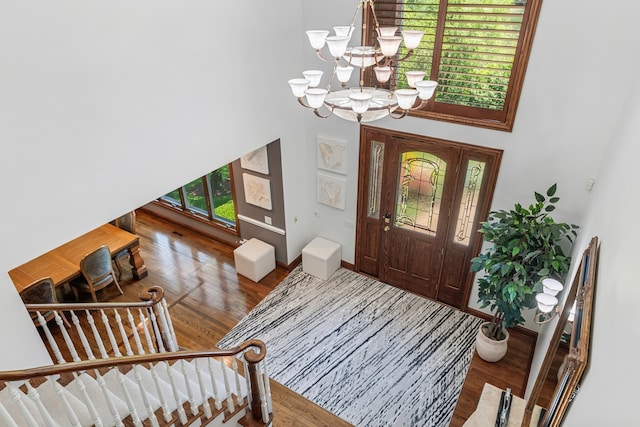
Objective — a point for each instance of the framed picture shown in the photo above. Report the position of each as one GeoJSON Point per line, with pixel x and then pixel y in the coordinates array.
{"type": "Point", "coordinates": [332, 155]}
{"type": "Point", "coordinates": [331, 191]}
{"type": "Point", "coordinates": [257, 190]}
{"type": "Point", "coordinates": [256, 161]}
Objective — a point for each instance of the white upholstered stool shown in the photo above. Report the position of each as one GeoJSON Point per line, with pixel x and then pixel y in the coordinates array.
{"type": "Point", "coordinates": [255, 259]}
{"type": "Point", "coordinates": [321, 258]}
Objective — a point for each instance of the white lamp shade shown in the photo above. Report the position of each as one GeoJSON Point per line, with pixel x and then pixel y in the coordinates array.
{"type": "Point", "coordinates": [389, 45]}
{"type": "Point", "coordinates": [337, 45]}
{"type": "Point", "coordinates": [406, 98]}
{"type": "Point", "coordinates": [315, 97]}
{"type": "Point", "coordinates": [387, 31]}
{"type": "Point", "coordinates": [313, 76]}
{"type": "Point", "coordinates": [551, 286]}
{"type": "Point", "coordinates": [317, 38]}
{"type": "Point", "coordinates": [413, 77]}
{"type": "Point", "coordinates": [383, 74]}
{"type": "Point", "coordinates": [360, 102]}
{"type": "Point", "coordinates": [546, 302]}
{"type": "Point", "coordinates": [298, 86]}
{"type": "Point", "coordinates": [344, 73]}
{"type": "Point", "coordinates": [412, 38]}
{"type": "Point", "coordinates": [343, 31]}
{"type": "Point", "coordinates": [572, 313]}
{"type": "Point", "coordinates": [426, 88]}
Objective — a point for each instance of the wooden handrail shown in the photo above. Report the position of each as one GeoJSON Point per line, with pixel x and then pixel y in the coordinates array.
{"type": "Point", "coordinates": [149, 296]}
{"type": "Point", "coordinates": [41, 371]}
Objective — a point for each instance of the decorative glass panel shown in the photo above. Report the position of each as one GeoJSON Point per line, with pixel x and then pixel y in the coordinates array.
{"type": "Point", "coordinates": [375, 179]}
{"type": "Point", "coordinates": [420, 182]}
{"type": "Point", "coordinates": [469, 202]}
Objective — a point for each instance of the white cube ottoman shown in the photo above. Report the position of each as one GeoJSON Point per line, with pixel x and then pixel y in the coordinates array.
{"type": "Point", "coordinates": [255, 259]}
{"type": "Point", "coordinates": [321, 258]}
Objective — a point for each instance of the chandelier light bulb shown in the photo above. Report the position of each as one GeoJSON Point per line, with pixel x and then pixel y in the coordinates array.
{"type": "Point", "coordinates": [298, 86]}
{"type": "Point", "coordinates": [317, 38]}
{"type": "Point", "coordinates": [360, 102]}
{"type": "Point", "coordinates": [406, 98]}
{"type": "Point", "coordinates": [413, 77]}
{"type": "Point", "coordinates": [344, 73]}
{"type": "Point", "coordinates": [343, 31]}
{"type": "Point", "coordinates": [412, 38]}
{"type": "Point", "coordinates": [551, 286]}
{"type": "Point", "coordinates": [426, 88]}
{"type": "Point", "coordinates": [315, 97]}
{"type": "Point", "coordinates": [383, 74]}
{"type": "Point", "coordinates": [546, 302]}
{"type": "Point", "coordinates": [389, 45]}
{"type": "Point", "coordinates": [337, 45]}
{"type": "Point", "coordinates": [387, 31]}
{"type": "Point", "coordinates": [313, 76]}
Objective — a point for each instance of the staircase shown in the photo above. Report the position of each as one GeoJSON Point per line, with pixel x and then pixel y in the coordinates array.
{"type": "Point", "coordinates": [140, 377]}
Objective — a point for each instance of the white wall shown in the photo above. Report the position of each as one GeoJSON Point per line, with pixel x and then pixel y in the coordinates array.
{"type": "Point", "coordinates": [106, 105]}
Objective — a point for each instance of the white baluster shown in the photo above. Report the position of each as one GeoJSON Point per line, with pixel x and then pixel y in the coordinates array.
{"type": "Point", "coordinates": [52, 342]}
{"type": "Point", "coordinates": [203, 392]}
{"type": "Point", "coordinates": [214, 386]}
{"type": "Point", "coordinates": [156, 330]}
{"type": "Point", "coordinates": [234, 364]}
{"type": "Point", "coordinates": [267, 385]}
{"type": "Point", "coordinates": [123, 333]}
{"type": "Point", "coordinates": [113, 410]}
{"type": "Point", "coordinates": [96, 335]}
{"type": "Point", "coordinates": [263, 397]}
{"type": "Point", "coordinates": [112, 338]}
{"type": "Point", "coordinates": [87, 401]}
{"type": "Point", "coordinates": [6, 417]}
{"type": "Point", "coordinates": [67, 340]}
{"type": "Point", "coordinates": [145, 397]}
{"type": "Point", "coordinates": [16, 396]}
{"type": "Point", "coordinates": [161, 397]}
{"type": "Point", "coordinates": [170, 330]}
{"type": "Point", "coordinates": [145, 330]}
{"type": "Point", "coordinates": [192, 400]}
{"type": "Point", "coordinates": [181, 413]}
{"type": "Point", "coordinates": [83, 337]}
{"type": "Point", "coordinates": [136, 337]}
{"type": "Point", "coordinates": [247, 379]}
{"type": "Point", "coordinates": [127, 397]}
{"type": "Point", "coordinates": [225, 376]}
{"type": "Point", "coordinates": [71, 415]}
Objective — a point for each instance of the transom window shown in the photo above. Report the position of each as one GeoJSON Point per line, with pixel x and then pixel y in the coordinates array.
{"type": "Point", "coordinates": [477, 50]}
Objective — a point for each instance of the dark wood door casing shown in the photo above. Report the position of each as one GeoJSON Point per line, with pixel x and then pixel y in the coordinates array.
{"type": "Point", "coordinates": [432, 266]}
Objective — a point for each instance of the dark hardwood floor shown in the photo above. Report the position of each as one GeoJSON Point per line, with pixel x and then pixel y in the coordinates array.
{"type": "Point", "coordinates": [207, 298]}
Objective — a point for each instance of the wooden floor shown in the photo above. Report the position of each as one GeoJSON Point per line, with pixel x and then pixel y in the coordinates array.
{"type": "Point", "coordinates": [207, 298]}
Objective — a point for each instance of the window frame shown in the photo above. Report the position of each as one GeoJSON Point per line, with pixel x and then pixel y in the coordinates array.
{"type": "Point", "coordinates": [480, 117]}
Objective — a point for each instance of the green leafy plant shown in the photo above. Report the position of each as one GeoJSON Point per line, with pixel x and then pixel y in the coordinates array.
{"type": "Point", "coordinates": [526, 248]}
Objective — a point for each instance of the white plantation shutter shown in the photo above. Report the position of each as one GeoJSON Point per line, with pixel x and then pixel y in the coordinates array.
{"type": "Point", "coordinates": [477, 50]}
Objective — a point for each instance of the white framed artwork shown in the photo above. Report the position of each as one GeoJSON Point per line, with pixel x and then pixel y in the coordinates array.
{"type": "Point", "coordinates": [257, 190]}
{"type": "Point", "coordinates": [256, 161]}
{"type": "Point", "coordinates": [331, 191]}
{"type": "Point", "coordinates": [332, 155]}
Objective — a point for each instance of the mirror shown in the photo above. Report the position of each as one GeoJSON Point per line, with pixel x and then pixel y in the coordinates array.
{"type": "Point", "coordinates": [576, 347]}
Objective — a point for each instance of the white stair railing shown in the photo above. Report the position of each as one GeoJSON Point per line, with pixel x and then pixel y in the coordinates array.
{"type": "Point", "coordinates": [138, 387]}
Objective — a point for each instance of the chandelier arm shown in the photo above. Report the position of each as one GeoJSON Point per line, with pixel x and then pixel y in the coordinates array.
{"type": "Point", "coordinates": [399, 116]}
{"type": "Point", "coordinates": [373, 13]}
{"type": "Point", "coordinates": [301, 101]}
{"type": "Point", "coordinates": [407, 56]}
{"type": "Point", "coordinates": [316, 111]}
{"type": "Point", "coordinates": [319, 55]}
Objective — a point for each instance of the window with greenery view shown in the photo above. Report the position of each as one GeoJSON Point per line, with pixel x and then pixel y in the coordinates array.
{"type": "Point", "coordinates": [477, 50]}
{"type": "Point", "coordinates": [209, 197]}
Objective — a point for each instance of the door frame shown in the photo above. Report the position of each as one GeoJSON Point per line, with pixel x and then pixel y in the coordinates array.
{"type": "Point", "coordinates": [387, 136]}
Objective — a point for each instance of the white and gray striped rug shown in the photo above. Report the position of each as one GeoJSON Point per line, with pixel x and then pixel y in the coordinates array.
{"type": "Point", "coordinates": [370, 353]}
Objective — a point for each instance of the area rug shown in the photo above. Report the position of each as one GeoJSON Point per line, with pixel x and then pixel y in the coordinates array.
{"type": "Point", "coordinates": [370, 353]}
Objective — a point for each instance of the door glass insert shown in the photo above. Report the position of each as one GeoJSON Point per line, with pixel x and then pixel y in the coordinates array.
{"type": "Point", "coordinates": [469, 202]}
{"type": "Point", "coordinates": [375, 179]}
{"type": "Point", "coordinates": [420, 183]}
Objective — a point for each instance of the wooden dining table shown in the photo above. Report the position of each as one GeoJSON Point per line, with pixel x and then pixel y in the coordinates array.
{"type": "Point", "coordinates": [63, 263]}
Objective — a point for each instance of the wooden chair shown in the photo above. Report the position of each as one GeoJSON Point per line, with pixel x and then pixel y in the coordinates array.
{"type": "Point", "coordinates": [97, 273]}
{"type": "Point", "coordinates": [126, 222]}
{"type": "Point", "coordinates": [42, 292]}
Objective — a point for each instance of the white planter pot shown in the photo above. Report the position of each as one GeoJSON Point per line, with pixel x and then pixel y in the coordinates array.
{"type": "Point", "coordinates": [490, 350]}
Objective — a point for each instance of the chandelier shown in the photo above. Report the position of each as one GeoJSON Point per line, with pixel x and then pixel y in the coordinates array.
{"type": "Point", "coordinates": [363, 103]}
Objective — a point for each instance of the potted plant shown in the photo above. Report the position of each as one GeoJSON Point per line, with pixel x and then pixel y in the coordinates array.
{"type": "Point", "coordinates": [526, 248]}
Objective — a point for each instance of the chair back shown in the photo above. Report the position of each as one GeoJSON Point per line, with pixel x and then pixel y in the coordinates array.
{"type": "Point", "coordinates": [96, 266]}
{"type": "Point", "coordinates": [127, 222]}
{"type": "Point", "coordinates": [39, 292]}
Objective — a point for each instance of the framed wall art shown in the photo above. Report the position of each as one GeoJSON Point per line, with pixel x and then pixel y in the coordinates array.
{"type": "Point", "coordinates": [256, 161]}
{"type": "Point", "coordinates": [257, 191]}
{"type": "Point", "coordinates": [332, 155]}
{"type": "Point", "coordinates": [331, 191]}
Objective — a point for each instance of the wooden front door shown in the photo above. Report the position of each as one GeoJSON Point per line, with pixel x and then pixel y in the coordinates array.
{"type": "Point", "coordinates": [419, 206]}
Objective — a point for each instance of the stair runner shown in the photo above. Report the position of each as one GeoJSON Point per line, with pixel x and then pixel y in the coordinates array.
{"type": "Point", "coordinates": [133, 394]}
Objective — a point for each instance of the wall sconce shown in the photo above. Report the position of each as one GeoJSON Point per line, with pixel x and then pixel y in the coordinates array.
{"type": "Point", "coordinates": [547, 301]}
